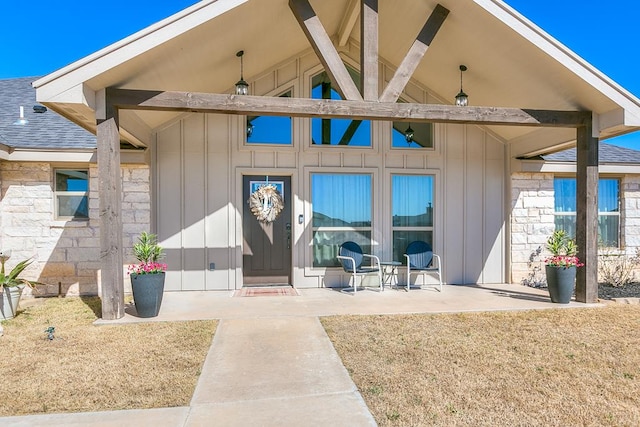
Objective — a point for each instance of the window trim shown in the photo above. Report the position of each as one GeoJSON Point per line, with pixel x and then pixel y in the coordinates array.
{"type": "Point", "coordinates": [617, 213]}
{"type": "Point", "coordinates": [315, 229]}
{"type": "Point", "coordinates": [309, 269]}
{"type": "Point", "coordinates": [427, 228]}
{"type": "Point", "coordinates": [57, 193]}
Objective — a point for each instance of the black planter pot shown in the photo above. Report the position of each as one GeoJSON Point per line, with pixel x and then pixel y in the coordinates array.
{"type": "Point", "coordinates": [560, 281]}
{"type": "Point", "coordinates": [147, 293]}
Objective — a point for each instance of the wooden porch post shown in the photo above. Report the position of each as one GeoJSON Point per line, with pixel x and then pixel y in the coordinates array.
{"type": "Point", "coordinates": [587, 212]}
{"type": "Point", "coordinates": [110, 194]}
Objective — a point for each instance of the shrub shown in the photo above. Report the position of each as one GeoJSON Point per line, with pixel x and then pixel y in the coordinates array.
{"type": "Point", "coordinates": [616, 268]}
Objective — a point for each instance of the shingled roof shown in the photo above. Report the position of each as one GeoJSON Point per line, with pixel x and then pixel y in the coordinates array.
{"type": "Point", "coordinates": [47, 130]}
{"type": "Point", "coordinates": [607, 154]}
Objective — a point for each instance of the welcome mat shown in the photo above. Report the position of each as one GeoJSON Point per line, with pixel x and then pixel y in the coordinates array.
{"type": "Point", "coordinates": [267, 291]}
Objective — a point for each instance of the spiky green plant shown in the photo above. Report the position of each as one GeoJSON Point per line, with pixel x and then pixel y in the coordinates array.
{"type": "Point", "coordinates": [561, 244]}
{"type": "Point", "coordinates": [147, 250]}
{"type": "Point", "coordinates": [12, 279]}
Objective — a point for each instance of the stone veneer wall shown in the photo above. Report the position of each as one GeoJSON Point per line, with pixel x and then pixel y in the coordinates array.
{"type": "Point", "coordinates": [630, 214]}
{"type": "Point", "coordinates": [532, 219]}
{"type": "Point", "coordinates": [66, 254]}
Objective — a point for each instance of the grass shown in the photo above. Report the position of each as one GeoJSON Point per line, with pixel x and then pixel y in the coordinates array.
{"type": "Point", "coordinates": [534, 368]}
{"type": "Point", "coordinates": [96, 368]}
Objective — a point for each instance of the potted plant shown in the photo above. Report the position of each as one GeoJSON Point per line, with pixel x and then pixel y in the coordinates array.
{"type": "Point", "coordinates": [12, 286]}
{"type": "Point", "coordinates": [561, 266]}
{"type": "Point", "coordinates": [147, 277]}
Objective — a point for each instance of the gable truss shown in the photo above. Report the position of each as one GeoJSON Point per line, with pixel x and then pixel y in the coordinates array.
{"type": "Point", "coordinates": [358, 107]}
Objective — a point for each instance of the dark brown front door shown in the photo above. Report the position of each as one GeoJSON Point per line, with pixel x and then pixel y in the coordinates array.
{"type": "Point", "coordinates": [267, 246]}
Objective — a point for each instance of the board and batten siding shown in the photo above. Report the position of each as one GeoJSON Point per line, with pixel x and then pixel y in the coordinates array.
{"type": "Point", "coordinates": [192, 194]}
{"type": "Point", "coordinates": [200, 160]}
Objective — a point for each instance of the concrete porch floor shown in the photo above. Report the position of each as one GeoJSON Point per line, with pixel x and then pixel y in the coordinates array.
{"type": "Point", "coordinates": [198, 305]}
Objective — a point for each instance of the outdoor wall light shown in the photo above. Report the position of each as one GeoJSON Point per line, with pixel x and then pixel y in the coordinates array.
{"type": "Point", "coordinates": [242, 87]}
{"type": "Point", "coordinates": [408, 135]}
{"type": "Point", "coordinates": [462, 99]}
{"type": "Point", "coordinates": [21, 120]}
{"type": "Point", "coordinates": [249, 129]}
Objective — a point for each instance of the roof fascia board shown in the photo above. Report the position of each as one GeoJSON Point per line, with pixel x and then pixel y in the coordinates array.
{"type": "Point", "coordinates": [20, 155]}
{"type": "Point", "coordinates": [69, 156]}
{"type": "Point", "coordinates": [134, 45]}
{"type": "Point", "coordinates": [78, 94]}
{"type": "Point", "coordinates": [562, 54]}
{"type": "Point", "coordinates": [570, 167]}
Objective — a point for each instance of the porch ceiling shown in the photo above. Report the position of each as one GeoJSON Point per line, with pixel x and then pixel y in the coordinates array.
{"type": "Point", "coordinates": [511, 62]}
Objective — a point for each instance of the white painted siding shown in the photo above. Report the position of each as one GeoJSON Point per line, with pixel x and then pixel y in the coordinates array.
{"type": "Point", "coordinates": [201, 159]}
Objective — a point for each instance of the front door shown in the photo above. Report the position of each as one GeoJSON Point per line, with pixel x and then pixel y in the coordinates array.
{"type": "Point", "coordinates": [267, 245]}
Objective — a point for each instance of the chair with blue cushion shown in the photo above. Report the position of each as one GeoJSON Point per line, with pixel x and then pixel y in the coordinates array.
{"type": "Point", "coordinates": [351, 258]}
{"type": "Point", "coordinates": [422, 261]}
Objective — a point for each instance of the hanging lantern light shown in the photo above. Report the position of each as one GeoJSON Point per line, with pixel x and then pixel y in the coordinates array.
{"type": "Point", "coordinates": [242, 87]}
{"type": "Point", "coordinates": [462, 99]}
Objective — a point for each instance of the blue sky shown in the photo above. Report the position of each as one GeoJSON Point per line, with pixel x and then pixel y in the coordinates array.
{"type": "Point", "coordinates": [38, 38]}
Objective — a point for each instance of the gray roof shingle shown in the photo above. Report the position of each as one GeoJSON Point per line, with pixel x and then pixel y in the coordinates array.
{"type": "Point", "coordinates": [607, 154]}
{"type": "Point", "coordinates": [46, 130]}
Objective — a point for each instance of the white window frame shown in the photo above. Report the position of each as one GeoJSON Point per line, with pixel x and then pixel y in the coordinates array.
{"type": "Point", "coordinates": [57, 193]}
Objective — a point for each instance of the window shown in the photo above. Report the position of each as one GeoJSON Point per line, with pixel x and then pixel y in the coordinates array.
{"type": "Point", "coordinates": [269, 129]}
{"type": "Point", "coordinates": [345, 132]}
{"type": "Point", "coordinates": [341, 212]}
{"type": "Point", "coordinates": [412, 211]}
{"type": "Point", "coordinates": [422, 135]}
{"type": "Point", "coordinates": [608, 208]}
{"type": "Point", "coordinates": [71, 194]}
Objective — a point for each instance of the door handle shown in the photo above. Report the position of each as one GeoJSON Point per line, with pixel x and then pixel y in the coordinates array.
{"type": "Point", "coordinates": [288, 228]}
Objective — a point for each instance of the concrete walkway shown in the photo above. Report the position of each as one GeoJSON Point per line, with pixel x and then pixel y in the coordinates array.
{"type": "Point", "coordinates": [271, 362]}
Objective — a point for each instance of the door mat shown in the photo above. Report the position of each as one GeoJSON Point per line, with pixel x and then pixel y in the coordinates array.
{"type": "Point", "coordinates": [267, 291]}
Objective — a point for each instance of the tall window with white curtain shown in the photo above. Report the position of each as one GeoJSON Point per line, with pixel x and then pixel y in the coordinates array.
{"type": "Point", "coordinates": [608, 208]}
{"type": "Point", "coordinates": [412, 211]}
{"type": "Point", "coordinates": [341, 212]}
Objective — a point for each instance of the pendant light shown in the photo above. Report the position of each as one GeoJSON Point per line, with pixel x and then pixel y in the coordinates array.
{"type": "Point", "coordinates": [408, 134]}
{"type": "Point", "coordinates": [462, 99]}
{"type": "Point", "coordinates": [242, 87]}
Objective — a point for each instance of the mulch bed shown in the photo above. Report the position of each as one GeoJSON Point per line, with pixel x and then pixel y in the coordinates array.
{"type": "Point", "coordinates": [632, 290]}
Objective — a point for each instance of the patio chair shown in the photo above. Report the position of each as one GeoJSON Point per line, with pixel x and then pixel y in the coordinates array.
{"type": "Point", "coordinates": [351, 257]}
{"type": "Point", "coordinates": [420, 261]}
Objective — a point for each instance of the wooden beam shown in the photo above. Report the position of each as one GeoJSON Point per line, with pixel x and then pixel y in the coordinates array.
{"type": "Point", "coordinates": [369, 49]}
{"type": "Point", "coordinates": [327, 108]}
{"type": "Point", "coordinates": [110, 205]}
{"type": "Point", "coordinates": [417, 50]}
{"type": "Point", "coordinates": [348, 22]}
{"type": "Point", "coordinates": [587, 213]}
{"type": "Point", "coordinates": [324, 48]}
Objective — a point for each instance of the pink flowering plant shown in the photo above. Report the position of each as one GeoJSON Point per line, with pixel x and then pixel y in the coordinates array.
{"type": "Point", "coordinates": [148, 252]}
{"type": "Point", "coordinates": [563, 251]}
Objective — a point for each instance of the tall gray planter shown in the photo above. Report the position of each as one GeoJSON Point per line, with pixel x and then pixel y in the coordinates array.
{"type": "Point", "coordinates": [147, 293]}
{"type": "Point", "coordinates": [561, 282]}
{"type": "Point", "coordinates": [10, 300]}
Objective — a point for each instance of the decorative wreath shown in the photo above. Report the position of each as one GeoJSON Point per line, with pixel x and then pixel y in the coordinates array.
{"type": "Point", "coordinates": [266, 203]}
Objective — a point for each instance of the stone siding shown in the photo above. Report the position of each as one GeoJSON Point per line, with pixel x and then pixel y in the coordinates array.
{"type": "Point", "coordinates": [66, 254]}
{"type": "Point", "coordinates": [532, 221]}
